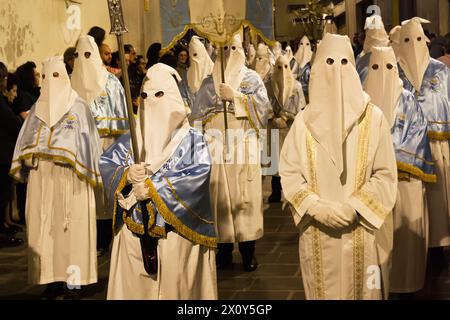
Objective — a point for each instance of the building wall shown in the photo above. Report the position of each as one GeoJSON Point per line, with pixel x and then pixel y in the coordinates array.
{"type": "Point", "coordinates": [35, 30]}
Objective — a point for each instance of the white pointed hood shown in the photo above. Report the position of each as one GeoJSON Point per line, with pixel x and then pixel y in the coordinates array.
{"type": "Point", "coordinates": [234, 65]}
{"type": "Point", "coordinates": [414, 54]}
{"type": "Point", "coordinates": [161, 113]}
{"type": "Point", "coordinates": [283, 81]}
{"type": "Point", "coordinates": [376, 35]}
{"type": "Point", "coordinates": [277, 50]}
{"type": "Point", "coordinates": [201, 65]}
{"type": "Point", "coordinates": [383, 82]}
{"type": "Point", "coordinates": [337, 100]}
{"type": "Point", "coordinates": [304, 53]}
{"type": "Point", "coordinates": [262, 64]}
{"type": "Point", "coordinates": [394, 40]}
{"type": "Point", "coordinates": [89, 76]}
{"type": "Point", "coordinates": [289, 54]}
{"type": "Point", "coordinates": [57, 95]}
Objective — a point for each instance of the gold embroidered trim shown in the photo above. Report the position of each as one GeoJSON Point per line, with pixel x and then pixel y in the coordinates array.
{"type": "Point", "coordinates": [250, 120]}
{"type": "Point", "coordinates": [120, 186]}
{"type": "Point", "coordinates": [374, 205]}
{"type": "Point", "coordinates": [440, 136]}
{"type": "Point", "coordinates": [415, 156]}
{"type": "Point", "coordinates": [185, 205]}
{"type": "Point", "coordinates": [318, 264]}
{"type": "Point", "coordinates": [50, 136]}
{"type": "Point", "coordinates": [256, 112]}
{"type": "Point", "coordinates": [108, 132]}
{"type": "Point", "coordinates": [316, 243]}
{"type": "Point", "coordinates": [363, 148]}
{"type": "Point", "coordinates": [437, 122]}
{"type": "Point", "coordinates": [298, 199]}
{"type": "Point", "coordinates": [430, 178]}
{"type": "Point", "coordinates": [243, 23]}
{"type": "Point", "coordinates": [153, 230]}
{"type": "Point", "coordinates": [358, 260]}
{"type": "Point", "coordinates": [171, 219]}
{"type": "Point", "coordinates": [358, 234]}
{"type": "Point", "coordinates": [110, 119]}
{"type": "Point", "coordinates": [61, 159]}
{"type": "Point", "coordinates": [311, 152]}
{"type": "Point", "coordinates": [403, 176]}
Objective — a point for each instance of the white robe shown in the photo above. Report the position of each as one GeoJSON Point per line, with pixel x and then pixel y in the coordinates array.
{"type": "Point", "coordinates": [61, 228]}
{"type": "Point", "coordinates": [438, 196]}
{"type": "Point", "coordinates": [409, 259]}
{"type": "Point", "coordinates": [186, 271]}
{"type": "Point", "coordinates": [236, 188]}
{"type": "Point", "coordinates": [352, 263]}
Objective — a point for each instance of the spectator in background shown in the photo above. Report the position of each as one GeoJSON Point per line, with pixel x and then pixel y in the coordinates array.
{"type": "Point", "coordinates": [183, 63]}
{"type": "Point", "coordinates": [106, 55]}
{"type": "Point", "coordinates": [29, 87]}
{"type": "Point", "coordinates": [172, 61]}
{"type": "Point", "coordinates": [10, 125]}
{"type": "Point", "coordinates": [446, 58]}
{"type": "Point", "coordinates": [98, 34]}
{"type": "Point", "coordinates": [69, 59]}
{"type": "Point", "coordinates": [129, 49]}
{"type": "Point", "coordinates": [437, 47]}
{"type": "Point", "coordinates": [10, 91]}
{"type": "Point", "coordinates": [137, 74]}
{"type": "Point", "coordinates": [114, 66]}
{"type": "Point", "coordinates": [153, 54]}
{"type": "Point", "coordinates": [169, 59]}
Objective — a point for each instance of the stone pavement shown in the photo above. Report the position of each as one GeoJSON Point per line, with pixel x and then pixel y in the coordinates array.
{"type": "Point", "coordinates": [277, 278]}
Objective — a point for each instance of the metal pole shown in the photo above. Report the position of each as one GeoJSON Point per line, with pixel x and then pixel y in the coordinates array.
{"type": "Point", "coordinates": [126, 85]}
{"type": "Point", "coordinates": [149, 245]}
{"type": "Point", "coordinates": [225, 112]}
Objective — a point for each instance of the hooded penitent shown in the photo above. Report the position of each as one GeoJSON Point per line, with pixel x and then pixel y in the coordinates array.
{"type": "Point", "coordinates": [337, 99]}
{"type": "Point", "coordinates": [289, 54]}
{"type": "Point", "coordinates": [414, 55]}
{"type": "Point", "coordinates": [394, 40]}
{"type": "Point", "coordinates": [201, 64]}
{"type": "Point", "coordinates": [376, 35]}
{"type": "Point", "coordinates": [283, 82]}
{"type": "Point", "coordinates": [304, 53]}
{"type": "Point", "coordinates": [161, 114]}
{"type": "Point", "coordinates": [277, 50]}
{"type": "Point", "coordinates": [234, 65]}
{"type": "Point", "coordinates": [57, 95]}
{"type": "Point", "coordinates": [262, 64]}
{"type": "Point", "coordinates": [383, 82]}
{"type": "Point", "coordinates": [89, 76]}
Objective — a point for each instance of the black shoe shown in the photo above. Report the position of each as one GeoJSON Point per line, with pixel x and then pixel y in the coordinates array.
{"type": "Point", "coordinates": [53, 291]}
{"type": "Point", "coordinates": [247, 250]}
{"type": "Point", "coordinates": [251, 265]}
{"type": "Point", "coordinates": [275, 197]}
{"type": "Point", "coordinates": [8, 241]}
{"type": "Point", "coordinates": [75, 294]}
{"type": "Point", "coordinates": [224, 257]}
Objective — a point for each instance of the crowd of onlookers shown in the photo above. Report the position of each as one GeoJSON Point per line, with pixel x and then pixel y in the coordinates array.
{"type": "Point", "coordinates": [19, 90]}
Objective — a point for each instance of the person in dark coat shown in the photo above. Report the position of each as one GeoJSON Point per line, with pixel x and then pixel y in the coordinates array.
{"type": "Point", "coordinates": [10, 125]}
